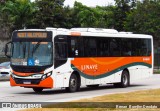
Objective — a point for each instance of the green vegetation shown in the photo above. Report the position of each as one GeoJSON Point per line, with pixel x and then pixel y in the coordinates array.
{"type": "Point", "coordinates": [137, 96]}
{"type": "Point", "coordinates": [138, 17]}
{"type": "Point", "coordinates": [156, 71]}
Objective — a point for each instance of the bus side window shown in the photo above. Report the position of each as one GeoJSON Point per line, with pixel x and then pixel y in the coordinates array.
{"type": "Point", "coordinates": [148, 47]}
{"type": "Point", "coordinates": [115, 47]}
{"type": "Point", "coordinates": [102, 47]}
{"type": "Point", "coordinates": [126, 47]}
{"type": "Point", "coordinates": [134, 49]}
{"type": "Point", "coordinates": [60, 54]}
{"type": "Point", "coordinates": [60, 51]}
{"type": "Point", "coordinates": [90, 47]}
{"type": "Point", "coordinates": [75, 46]}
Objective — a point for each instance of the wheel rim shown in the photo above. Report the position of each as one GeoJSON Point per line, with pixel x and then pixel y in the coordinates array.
{"type": "Point", "coordinates": [125, 79]}
{"type": "Point", "coordinates": [73, 83]}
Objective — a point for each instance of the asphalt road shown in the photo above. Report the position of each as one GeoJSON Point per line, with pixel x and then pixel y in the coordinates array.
{"type": "Point", "coordinates": [20, 94]}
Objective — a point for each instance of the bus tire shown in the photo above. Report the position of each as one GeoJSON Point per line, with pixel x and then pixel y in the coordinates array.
{"type": "Point", "coordinates": [73, 84]}
{"type": "Point", "coordinates": [124, 80]}
{"type": "Point", "coordinates": [37, 90]}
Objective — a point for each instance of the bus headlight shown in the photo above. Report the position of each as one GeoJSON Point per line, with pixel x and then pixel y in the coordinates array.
{"type": "Point", "coordinates": [13, 76]}
{"type": "Point", "coordinates": [46, 75]}
{"type": "Point", "coordinates": [49, 74]}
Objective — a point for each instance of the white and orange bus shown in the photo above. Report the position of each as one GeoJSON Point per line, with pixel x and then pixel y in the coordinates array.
{"type": "Point", "coordinates": [70, 58]}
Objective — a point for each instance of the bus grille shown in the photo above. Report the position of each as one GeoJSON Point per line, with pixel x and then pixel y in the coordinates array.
{"type": "Point", "coordinates": [32, 81]}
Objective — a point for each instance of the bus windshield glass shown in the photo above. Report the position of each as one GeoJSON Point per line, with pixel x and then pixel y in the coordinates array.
{"type": "Point", "coordinates": [32, 53]}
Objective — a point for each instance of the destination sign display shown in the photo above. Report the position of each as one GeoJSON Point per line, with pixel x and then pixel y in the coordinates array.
{"type": "Point", "coordinates": [32, 34]}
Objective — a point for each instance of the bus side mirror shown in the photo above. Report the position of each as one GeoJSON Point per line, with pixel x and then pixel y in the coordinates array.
{"type": "Point", "coordinates": [7, 50]}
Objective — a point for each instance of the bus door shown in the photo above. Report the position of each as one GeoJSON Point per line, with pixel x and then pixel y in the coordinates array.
{"type": "Point", "coordinates": [60, 59]}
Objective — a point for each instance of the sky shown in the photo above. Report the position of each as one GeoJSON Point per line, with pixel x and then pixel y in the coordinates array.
{"type": "Point", "coordinates": [89, 3]}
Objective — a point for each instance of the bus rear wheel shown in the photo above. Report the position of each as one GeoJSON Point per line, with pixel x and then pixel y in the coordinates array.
{"type": "Point", "coordinates": [38, 90]}
{"type": "Point", "coordinates": [73, 84]}
{"type": "Point", "coordinates": [124, 80]}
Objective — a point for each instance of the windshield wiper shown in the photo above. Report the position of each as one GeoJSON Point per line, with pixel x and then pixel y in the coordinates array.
{"type": "Point", "coordinates": [35, 47]}
{"type": "Point", "coordinates": [24, 50]}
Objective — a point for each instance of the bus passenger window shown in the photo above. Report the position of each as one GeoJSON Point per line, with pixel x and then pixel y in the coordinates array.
{"type": "Point", "coordinates": [90, 47]}
{"type": "Point", "coordinates": [60, 51]}
{"type": "Point", "coordinates": [75, 47]}
{"type": "Point", "coordinates": [115, 47]}
{"type": "Point", "coordinates": [145, 47]}
{"type": "Point", "coordinates": [126, 47]}
{"type": "Point", "coordinates": [102, 47]}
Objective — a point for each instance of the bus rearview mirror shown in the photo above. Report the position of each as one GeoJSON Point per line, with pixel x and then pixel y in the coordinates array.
{"type": "Point", "coordinates": [8, 49]}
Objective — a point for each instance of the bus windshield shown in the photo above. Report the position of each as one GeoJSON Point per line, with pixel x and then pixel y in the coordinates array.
{"type": "Point", "coordinates": [32, 53]}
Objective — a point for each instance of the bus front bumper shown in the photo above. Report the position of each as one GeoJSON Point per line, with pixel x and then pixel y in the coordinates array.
{"type": "Point", "coordinates": [30, 83]}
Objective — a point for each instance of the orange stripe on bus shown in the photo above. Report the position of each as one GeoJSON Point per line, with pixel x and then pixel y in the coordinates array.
{"type": "Point", "coordinates": [106, 63]}
{"type": "Point", "coordinates": [101, 65]}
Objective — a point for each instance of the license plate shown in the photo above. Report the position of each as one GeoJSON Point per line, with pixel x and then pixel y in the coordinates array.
{"type": "Point", "coordinates": [26, 82]}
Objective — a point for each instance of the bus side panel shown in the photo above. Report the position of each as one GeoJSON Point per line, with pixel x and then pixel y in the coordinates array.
{"type": "Point", "coordinates": [83, 81]}
{"type": "Point", "coordinates": [98, 70]}
{"type": "Point", "coordinates": [114, 78]}
{"type": "Point", "coordinates": [62, 74]}
{"type": "Point", "coordinates": [146, 72]}
{"type": "Point", "coordinates": [136, 73]}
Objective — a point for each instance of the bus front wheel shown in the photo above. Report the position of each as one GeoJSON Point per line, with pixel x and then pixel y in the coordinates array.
{"type": "Point", "coordinates": [37, 90]}
{"type": "Point", "coordinates": [73, 84]}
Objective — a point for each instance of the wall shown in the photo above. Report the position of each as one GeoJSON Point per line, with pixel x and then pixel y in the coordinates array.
{"type": "Point", "coordinates": [2, 45]}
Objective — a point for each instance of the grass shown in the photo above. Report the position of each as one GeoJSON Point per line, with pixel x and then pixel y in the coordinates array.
{"type": "Point", "coordinates": [156, 71]}
{"type": "Point", "coordinates": [137, 96]}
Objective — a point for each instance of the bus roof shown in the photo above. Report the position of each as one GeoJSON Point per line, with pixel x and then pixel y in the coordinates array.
{"type": "Point", "coordinates": [91, 32]}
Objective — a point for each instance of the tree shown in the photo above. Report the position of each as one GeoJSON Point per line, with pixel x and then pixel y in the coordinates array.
{"type": "Point", "coordinates": [69, 18]}
{"type": "Point", "coordinates": [120, 13]}
{"type": "Point", "coordinates": [85, 16]}
{"type": "Point", "coordinates": [49, 13]}
{"type": "Point", "coordinates": [4, 23]}
{"type": "Point", "coordinates": [145, 18]}
{"type": "Point", "coordinates": [105, 18]}
{"type": "Point", "coordinates": [19, 13]}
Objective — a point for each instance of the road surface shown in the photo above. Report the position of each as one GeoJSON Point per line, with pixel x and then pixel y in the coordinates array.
{"type": "Point", "coordinates": [20, 94]}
